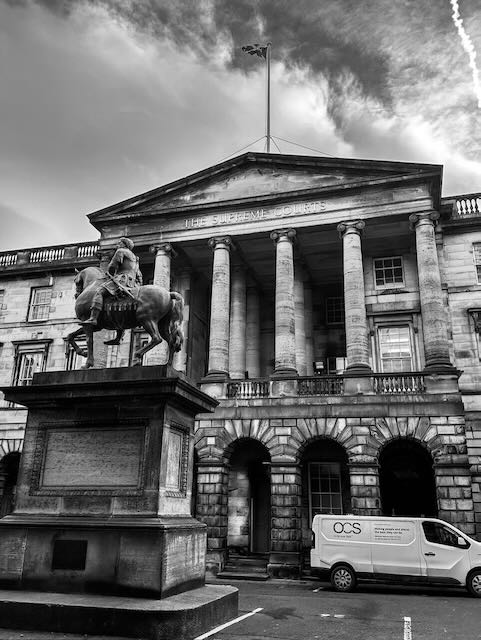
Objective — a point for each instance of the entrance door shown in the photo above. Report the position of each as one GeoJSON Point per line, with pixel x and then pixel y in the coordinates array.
{"type": "Point", "coordinates": [406, 479]}
{"type": "Point", "coordinates": [249, 501]}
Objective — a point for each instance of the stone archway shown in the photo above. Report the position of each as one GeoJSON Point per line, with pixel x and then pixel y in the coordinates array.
{"type": "Point", "coordinates": [325, 482]}
{"type": "Point", "coordinates": [249, 498]}
{"type": "Point", "coordinates": [407, 481]}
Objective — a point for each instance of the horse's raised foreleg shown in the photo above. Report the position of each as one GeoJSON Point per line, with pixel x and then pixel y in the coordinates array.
{"type": "Point", "coordinates": [152, 329]}
{"type": "Point", "coordinates": [70, 341]}
{"type": "Point", "coordinates": [117, 339]}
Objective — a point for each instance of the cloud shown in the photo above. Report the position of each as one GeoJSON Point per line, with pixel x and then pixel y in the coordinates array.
{"type": "Point", "coordinates": [18, 230]}
{"type": "Point", "coordinates": [104, 100]}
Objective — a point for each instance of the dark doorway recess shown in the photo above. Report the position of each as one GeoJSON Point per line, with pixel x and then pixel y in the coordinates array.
{"type": "Point", "coordinates": [406, 478]}
{"type": "Point", "coordinates": [8, 476]}
{"type": "Point", "coordinates": [249, 502]}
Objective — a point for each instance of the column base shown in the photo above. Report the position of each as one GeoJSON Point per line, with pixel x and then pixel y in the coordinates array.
{"type": "Point", "coordinates": [357, 380]}
{"type": "Point", "coordinates": [284, 383]}
{"type": "Point", "coordinates": [441, 379]}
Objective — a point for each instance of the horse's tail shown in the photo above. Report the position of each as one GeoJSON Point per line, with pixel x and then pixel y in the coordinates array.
{"type": "Point", "coordinates": [175, 325]}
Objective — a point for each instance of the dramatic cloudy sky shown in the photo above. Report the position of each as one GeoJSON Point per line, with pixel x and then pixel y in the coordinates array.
{"type": "Point", "coordinates": [104, 99]}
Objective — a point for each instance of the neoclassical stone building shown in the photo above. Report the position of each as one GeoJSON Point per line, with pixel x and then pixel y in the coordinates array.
{"type": "Point", "coordinates": [333, 307]}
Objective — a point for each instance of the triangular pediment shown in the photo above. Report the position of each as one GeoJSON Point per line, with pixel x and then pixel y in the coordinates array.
{"type": "Point", "coordinates": [255, 176]}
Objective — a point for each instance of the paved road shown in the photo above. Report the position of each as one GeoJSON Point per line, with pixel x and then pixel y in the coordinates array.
{"type": "Point", "coordinates": [308, 611]}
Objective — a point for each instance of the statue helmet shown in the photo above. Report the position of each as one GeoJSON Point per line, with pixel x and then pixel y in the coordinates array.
{"type": "Point", "coordinates": [127, 242]}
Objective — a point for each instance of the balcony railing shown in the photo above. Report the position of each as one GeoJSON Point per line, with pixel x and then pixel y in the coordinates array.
{"type": "Point", "coordinates": [384, 384]}
{"type": "Point", "coordinates": [468, 206]}
{"type": "Point", "coordinates": [41, 255]}
{"type": "Point", "coordinates": [320, 386]}
{"type": "Point", "coordinates": [399, 383]}
{"type": "Point", "coordinates": [246, 389]}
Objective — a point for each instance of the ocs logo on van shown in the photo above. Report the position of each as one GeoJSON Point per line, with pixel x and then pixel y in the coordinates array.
{"type": "Point", "coordinates": [347, 527]}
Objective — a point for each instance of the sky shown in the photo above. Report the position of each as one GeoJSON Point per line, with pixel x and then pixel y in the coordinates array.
{"type": "Point", "coordinates": [101, 100]}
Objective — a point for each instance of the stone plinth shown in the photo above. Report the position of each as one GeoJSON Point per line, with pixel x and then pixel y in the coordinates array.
{"type": "Point", "coordinates": [104, 491]}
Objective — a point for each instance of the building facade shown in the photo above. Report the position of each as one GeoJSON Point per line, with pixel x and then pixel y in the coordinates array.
{"type": "Point", "coordinates": [333, 307]}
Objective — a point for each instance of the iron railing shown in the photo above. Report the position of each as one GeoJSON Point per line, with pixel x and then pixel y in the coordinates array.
{"type": "Point", "coordinates": [320, 386]}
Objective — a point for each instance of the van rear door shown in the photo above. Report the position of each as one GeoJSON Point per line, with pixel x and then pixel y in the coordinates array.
{"type": "Point", "coordinates": [395, 548]}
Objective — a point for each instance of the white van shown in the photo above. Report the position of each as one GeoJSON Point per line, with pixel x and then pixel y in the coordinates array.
{"type": "Point", "coordinates": [400, 550]}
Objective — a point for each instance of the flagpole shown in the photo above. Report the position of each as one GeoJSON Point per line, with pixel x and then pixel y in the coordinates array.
{"type": "Point", "coordinates": [268, 118]}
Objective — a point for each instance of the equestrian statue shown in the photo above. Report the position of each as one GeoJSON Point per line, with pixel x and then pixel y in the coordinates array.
{"type": "Point", "coordinates": [117, 299]}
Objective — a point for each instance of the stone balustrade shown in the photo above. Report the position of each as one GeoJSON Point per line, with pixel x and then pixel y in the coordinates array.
{"type": "Point", "coordinates": [83, 252]}
{"type": "Point", "coordinates": [467, 206]}
{"type": "Point", "coordinates": [381, 383]}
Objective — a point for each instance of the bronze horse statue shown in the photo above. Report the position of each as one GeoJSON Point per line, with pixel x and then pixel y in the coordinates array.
{"type": "Point", "coordinates": [158, 311]}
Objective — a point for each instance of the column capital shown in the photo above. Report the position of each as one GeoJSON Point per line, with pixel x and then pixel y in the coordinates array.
{"type": "Point", "coordinates": [424, 217]}
{"type": "Point", "coordinates": [279, 235]}
{"type": "Point", "coordinates": [216, 241]}
{"type": "Point", "coordinates": [164, 248]}
{"type": "Point", "coordinates": [350, 226]}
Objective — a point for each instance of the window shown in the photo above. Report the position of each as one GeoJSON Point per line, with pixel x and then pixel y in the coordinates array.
{"type": "Point", "coordinates": [388, 271]}
{"type": "Point", "coordinates": [30, 358]}
{"type": "Point", "coordinates": [440, 534]}
{"type": "Point", "coordinates": [75, 360]}
{"type": "Point", "coordinates": [477, 260]}
{"type": "Point", "coordinates": [395, 349]}
{"type": "Point", "coordinates": [325, 494]}
{"type": "Point", "coordinates": [335, 310]}
{"type": "Point", "coordinates": [40, 303]}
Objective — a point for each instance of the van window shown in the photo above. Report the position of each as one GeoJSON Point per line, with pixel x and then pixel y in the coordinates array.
{"type": "Point", "coordinates": [438, 533]}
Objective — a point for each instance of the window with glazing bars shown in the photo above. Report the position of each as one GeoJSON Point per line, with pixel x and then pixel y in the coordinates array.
{"type": "Point", "coordinates": [325, 494]}
{"type": "Point", "coordinates": [40, 303]}
{"type": "Point", "coordinates": [395, 348]}
{"type": "Point", "coordinates": [477, 260]}
{"type": "Point", "coordinates": [388, 271]}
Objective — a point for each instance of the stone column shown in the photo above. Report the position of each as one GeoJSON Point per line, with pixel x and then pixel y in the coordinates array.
{"type": "Point", "coordinates": [365, 491]}
{"type": "Point", "coordinates": [354, 300]}
{"type": "Point", "coordinates": [220, 308]}
{"type": "Point", "coordinates": [211, 509]}
{"type": "Point", "coordinates": [286, 531]}
{"type": "Point", "coordinates": [309, 328]}
{"type": "Point", "coordinates": [237, 344]}
{"type": "Point", "coordinates": [253, 332]}
{"type": "Point", "coordinates": [436, 346]}
{"type": "Point", "coordinates": [180, 358]}
{"type": "Point", "coordinates": [285, 342]}
{"type": "Point", "coordinates": [300, 321]}
{"type": "Point", "coordinates": [163, 256]}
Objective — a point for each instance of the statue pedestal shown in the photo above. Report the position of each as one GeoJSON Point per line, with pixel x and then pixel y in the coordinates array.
{"type": "Point", "coordinates": [103, 498]}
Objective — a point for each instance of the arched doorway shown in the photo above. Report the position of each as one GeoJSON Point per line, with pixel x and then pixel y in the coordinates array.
{"type": "Point", "coordinates": [406, 478]}
{"type": "Point", "coordinates": [8, 482]}
{"type": "Point", "coordinates": [249, 498]}
{"type": "Point", "coordinates": [325, 482]}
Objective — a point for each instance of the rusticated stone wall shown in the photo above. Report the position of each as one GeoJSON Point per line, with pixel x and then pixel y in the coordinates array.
{"type": "Point", "coordinates": [362, 439]}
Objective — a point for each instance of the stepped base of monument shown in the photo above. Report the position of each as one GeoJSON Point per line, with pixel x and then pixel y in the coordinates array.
{"type": "Point", "coordinates": [185, 615]}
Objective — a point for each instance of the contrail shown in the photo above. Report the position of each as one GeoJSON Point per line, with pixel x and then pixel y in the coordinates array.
{"type": "Point", "coordinates": [468, 47]}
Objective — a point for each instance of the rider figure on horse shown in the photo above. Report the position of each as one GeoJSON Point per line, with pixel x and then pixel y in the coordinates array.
{"type": "Point", "coordinates": [123, 276]}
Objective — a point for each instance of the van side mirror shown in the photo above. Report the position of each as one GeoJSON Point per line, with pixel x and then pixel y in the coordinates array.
{"type": "Point", "coordinates": [462, 543]}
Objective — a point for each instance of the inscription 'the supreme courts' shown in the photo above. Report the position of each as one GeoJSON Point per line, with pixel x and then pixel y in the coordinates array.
{"type": "Point", "coordinates": [255, 215]}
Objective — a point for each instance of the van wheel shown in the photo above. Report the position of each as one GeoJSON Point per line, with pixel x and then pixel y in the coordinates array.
{"type": "Point", "coordinates": [473, 583]}
{"type": "Point", "coordinates": [343, 578]}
